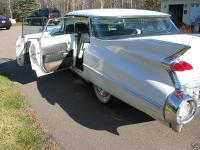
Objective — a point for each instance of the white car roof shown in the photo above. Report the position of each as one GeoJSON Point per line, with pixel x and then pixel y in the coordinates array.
{"type": "Point", "coordinates": [117, 13]}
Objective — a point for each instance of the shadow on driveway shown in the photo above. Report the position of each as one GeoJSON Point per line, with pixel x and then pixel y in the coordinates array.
{"type": "Point", "coordinates": [10, 68]}
{"type": "Point", "coordinates": [77, 99]}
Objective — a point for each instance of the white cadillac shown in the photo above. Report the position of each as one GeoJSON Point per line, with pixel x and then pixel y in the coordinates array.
{"type": "Point", "coordinates": [137, 56]}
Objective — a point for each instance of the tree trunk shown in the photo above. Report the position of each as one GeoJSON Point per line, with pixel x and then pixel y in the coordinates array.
{"type": "Point", "coordinates": [9, 7]}
{"type": "Point", "coordinates": [102, 4]}
{"type": "Point", "coordinates": [73, 5]}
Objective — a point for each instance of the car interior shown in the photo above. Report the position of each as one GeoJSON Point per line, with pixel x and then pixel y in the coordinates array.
{"type": "Point", "coordinates": [82, 39]}
{"type": "Point", "coordinates": [104, 30]}
{"type": "Point", "coordinates": [56, 56]}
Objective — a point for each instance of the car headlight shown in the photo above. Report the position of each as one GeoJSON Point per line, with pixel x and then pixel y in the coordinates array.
{"type": "Point", "coordinates": [185, 111]}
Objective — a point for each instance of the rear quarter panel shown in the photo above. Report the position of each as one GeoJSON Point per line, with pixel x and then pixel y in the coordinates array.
{"type": "Point", "coordinates": [130, 71]}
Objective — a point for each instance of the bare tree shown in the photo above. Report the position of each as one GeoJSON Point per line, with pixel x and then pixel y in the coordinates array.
{"type": "Point", "coordinates": [102, 4]}
{"type": "Point", "coordinates": [70, 5]}
{"type": "Point", "coordinates": [10, 9]}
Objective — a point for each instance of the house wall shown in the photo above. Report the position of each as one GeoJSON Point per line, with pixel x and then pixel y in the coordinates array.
{"type": "Point", "coordinates": [192, 13]}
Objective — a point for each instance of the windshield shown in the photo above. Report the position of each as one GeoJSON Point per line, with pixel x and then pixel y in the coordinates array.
{"type": "Point", "coordinates": [130, 27]}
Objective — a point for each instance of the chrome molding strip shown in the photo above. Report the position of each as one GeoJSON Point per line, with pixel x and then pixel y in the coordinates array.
{"type": "Point", "coordinates": [130, 90]}
{"type": "Point", "coordinates": [166, 64]}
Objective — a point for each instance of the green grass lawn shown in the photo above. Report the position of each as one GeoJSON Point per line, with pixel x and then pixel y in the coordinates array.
{"type": "Point", "coordinates": [18, 127]}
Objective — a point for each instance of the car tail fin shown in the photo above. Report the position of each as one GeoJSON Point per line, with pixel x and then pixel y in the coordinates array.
{"type": "Point", "coordinates": [169, 61]}
{"type": "Point", "coordinates": [180, 52]}
{"type": "Point", "coordinates": [173, 64]}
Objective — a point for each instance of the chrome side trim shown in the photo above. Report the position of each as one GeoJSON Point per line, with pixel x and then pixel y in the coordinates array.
{"type": "Point", "coordinates": [130, 90]}
{"type": "Point", "coordinates": [166, 64]}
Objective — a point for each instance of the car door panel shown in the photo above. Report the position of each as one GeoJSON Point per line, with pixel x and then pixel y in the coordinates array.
{"type": "Point", "coordinates": [53, 56]}
{"type": "Point", "coordinates": [54, 50]}
{"type": "Point", "coordinates": [34, 54]}
{"type": "Point", "coordinates": [56, 53]}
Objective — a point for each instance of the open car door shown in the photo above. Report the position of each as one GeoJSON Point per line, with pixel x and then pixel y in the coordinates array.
{"type": "Point", "coordinates": [54, 51]}
{"type": "Point", "coordinates": [32, 28]}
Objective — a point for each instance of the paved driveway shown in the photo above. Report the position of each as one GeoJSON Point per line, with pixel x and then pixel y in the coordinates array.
{"type": "Point", "coordinates": [77, 121]}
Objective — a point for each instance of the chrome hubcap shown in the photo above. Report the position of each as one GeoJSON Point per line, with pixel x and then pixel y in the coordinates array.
{"type": "Point", "coordinates": [102, 92]}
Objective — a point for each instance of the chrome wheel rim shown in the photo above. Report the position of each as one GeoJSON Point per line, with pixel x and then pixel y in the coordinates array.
{"type": "Point", "coordinates": [102, 92]}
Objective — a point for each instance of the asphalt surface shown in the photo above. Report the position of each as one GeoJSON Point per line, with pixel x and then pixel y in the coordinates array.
{"type": "Point", "coordinates": [77, 121]}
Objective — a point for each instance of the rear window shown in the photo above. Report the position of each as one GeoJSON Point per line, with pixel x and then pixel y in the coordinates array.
{"type": "Point", "coordinates": [3, 17]}
{"type": "Point", "coordinates": [44, 12]}
{"type": "Point", "coordinates": [54, 11]}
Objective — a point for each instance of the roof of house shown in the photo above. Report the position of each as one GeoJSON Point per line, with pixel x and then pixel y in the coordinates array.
{"type": "Point", "coordinates": [116, 13]}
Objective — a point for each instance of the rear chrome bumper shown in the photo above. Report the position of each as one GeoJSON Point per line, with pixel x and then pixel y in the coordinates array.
{"type": "Point", "coordinates": [184, 96]}
{"type": "Point", "coordinates": [172, 107]}
{"type": "Point", "coordinates": [193, 91]}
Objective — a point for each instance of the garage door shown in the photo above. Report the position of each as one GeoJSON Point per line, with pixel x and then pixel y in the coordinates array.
{"type": "Point", "coordinates": [194, 11]}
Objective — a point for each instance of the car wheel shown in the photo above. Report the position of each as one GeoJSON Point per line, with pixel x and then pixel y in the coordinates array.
{"type": "Point", "coordinates": [103, 96]}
